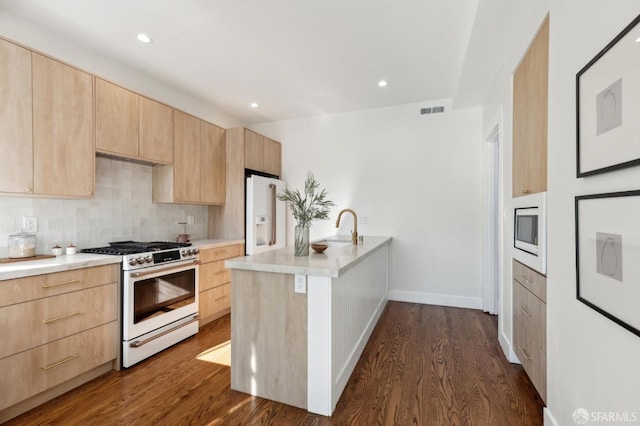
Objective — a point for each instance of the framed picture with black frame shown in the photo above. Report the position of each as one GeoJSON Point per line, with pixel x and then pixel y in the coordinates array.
{"type": "Point", "coordinates": [608, 255]}
{"type": "Point", "coordinates": [608, 106]}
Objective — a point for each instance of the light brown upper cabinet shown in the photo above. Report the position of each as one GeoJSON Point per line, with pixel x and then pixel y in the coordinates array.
{"type": "Point", "coordinates": [63, 144]}
{"type": "Point", "coordinates": [198, 173]}
{"type": "Point", "coordinates": [46, 126]}
{"type": "Point", "coordinates": [212, 164]}
{"type": "Point", "coordinates": [16, 139]}
{"type": "Point", "coordinates": [261, 153]}
{"type": "Point", "coordinates": [530, 110]}
{"type": "Point", "coordinates": [132, 126]}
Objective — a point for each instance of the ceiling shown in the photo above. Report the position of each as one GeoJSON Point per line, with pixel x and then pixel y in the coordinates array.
{"type": "Point", "coordinates": [295, 58]}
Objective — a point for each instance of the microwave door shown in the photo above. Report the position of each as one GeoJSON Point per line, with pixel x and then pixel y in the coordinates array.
{"type": "Point", "coordinates": [526, 232]}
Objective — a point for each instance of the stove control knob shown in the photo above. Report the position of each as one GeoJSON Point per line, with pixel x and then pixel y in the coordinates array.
{"type": "Point", "coordinates": [191, 252]}
{"type": "Point", "coordinates": [132, 261]}
{"type": "Point", "coordinates": [184, 253]}
{"type": "Point", "coordinates": [148, 259]}
{"type": "Point", "coordinates": [140, 260]}
{"type": "Point", "coordinates": [196, 250]}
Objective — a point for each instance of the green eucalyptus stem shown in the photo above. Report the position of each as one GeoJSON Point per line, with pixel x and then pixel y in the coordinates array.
{"type": "Point", "coordinates": [310, 205]}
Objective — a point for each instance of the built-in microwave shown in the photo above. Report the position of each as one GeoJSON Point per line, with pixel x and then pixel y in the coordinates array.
{"type": "Point", "coordinates": [530, 231]}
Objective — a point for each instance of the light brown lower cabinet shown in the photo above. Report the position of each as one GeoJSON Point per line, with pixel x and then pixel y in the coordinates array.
{"type": "Point", "coordinates": [530, 324]}
{"type": "Point", "coordinates": [59, 331]}
{"type": "Point", "coordinates": [215, 281]}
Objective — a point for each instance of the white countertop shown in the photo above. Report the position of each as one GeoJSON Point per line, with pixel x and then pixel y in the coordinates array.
{"type": "Point", "coordinates": [29, 268]}
{"type": "Point", "coordinates": [333, 262]}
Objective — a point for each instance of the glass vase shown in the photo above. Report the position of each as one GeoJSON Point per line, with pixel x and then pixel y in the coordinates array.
{"type": "Point", "coordinates": [301, 240]}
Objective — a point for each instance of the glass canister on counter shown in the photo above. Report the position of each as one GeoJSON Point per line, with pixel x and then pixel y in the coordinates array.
{"type": "Point", "coordinates": [22, 245]}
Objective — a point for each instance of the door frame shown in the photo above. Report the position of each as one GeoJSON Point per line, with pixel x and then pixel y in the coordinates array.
{"type": "Point", "coordinates": [492, 225]}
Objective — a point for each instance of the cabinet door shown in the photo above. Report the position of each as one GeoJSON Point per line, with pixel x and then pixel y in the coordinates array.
{"type": "Point", "coordinates": [253, 151]}
{"type": "Point", "coordinates": [16, 143]}
{"type": "Point", "coordinates": [116, 119]}
{"type": "Point", "coordinates": [156, 131]}
{"type": "Point", "coordinates": [530, 94]}
{"type": "Point", "coordinates": [63, 144]}
{"type": "Point", "coordinates": [187, 158]}
{"type": "Point", "coordinates": [272, 157]}
{"type": "Point", "coordinates": [212, 164]}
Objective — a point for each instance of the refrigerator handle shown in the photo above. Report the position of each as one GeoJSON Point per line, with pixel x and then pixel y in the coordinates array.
{"type": "Point", "coordinates": [272, 241]}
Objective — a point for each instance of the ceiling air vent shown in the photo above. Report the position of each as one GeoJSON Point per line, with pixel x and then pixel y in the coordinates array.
{"type": "Point", "coordinates": [432, 110]}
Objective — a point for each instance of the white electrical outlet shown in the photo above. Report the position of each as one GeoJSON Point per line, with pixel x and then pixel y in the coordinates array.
{"type": "Point", "coordinates": [191, 220]}
{"type": "Point", "coordinates": [300, 284]}
{"type": "Point", "coordinates": [30, 224]}
{"type": "Point", "coordinates": [363, 220]}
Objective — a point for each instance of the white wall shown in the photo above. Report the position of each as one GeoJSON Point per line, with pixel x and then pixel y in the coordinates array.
{"type": "Point", "coordinates": [592, 362]}
{"type": "Point", "coordinates": [415, 178]}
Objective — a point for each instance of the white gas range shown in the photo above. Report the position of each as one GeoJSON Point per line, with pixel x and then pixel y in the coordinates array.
{"type": "Point", "coordinates": [159, 295]}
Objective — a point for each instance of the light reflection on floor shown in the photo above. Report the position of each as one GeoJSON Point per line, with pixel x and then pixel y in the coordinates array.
{"type": "Point", "coordinates": [220, 354]}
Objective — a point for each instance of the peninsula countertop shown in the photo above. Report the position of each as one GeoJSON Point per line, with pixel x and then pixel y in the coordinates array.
{"type": "Point", "coordinates": [333, 262]}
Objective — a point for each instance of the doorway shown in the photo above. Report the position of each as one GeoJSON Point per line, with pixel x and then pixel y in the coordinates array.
{"type": "Point", "coordinates": [491, 218]}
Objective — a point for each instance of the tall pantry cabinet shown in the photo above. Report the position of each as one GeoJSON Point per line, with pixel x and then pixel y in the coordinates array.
{"type": "Point", "coordinates": [530, 111]}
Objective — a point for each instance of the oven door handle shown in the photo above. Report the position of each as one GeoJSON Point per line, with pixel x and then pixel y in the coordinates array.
{"type": "Point", "coordinates": [155, 271]}
{"type": "Point", "coordinates": [139, 343]}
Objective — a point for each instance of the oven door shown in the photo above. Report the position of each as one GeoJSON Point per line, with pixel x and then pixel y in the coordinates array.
{"type": "Point", "coordinates": [156, 296]}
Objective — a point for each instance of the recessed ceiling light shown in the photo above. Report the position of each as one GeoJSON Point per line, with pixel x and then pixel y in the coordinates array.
{"type": "Point", "coordinates": [254, 105]}
{"type": "Point", "coordinates": [382, 83]}
{"type": "Point", "coordinates": [144, 38]}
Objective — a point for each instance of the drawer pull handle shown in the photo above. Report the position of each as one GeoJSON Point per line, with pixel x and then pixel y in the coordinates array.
{"type": "Point", "coordinates": [525, 354]}
{"type": "Point", "coordinates": [525, 311]}
{"type": "Point", "coordinates": [139, 343]}
{"type": "Point", "coordinates": [59, 284]}
{"type": "Point", "coordinates": [56, 364]}
{"type": "Point", "coordinates": [61, 317]}
{"type": "Point", "coordinates": [524, 279]}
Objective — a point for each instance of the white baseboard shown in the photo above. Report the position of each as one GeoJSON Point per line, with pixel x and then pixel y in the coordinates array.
{"type": "Point", "coordinates": [507, 348]}
{"type": "Point", "coordinates": [548, 417]}
{"type": "Point", "coordinates": [435, 299]}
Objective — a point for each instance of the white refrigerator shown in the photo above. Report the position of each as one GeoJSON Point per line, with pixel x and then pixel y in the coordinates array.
{"type": "Point", "coordinates": [265, 215]}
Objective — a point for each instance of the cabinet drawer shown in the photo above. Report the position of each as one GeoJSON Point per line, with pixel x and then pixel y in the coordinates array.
{"type": "Point", "coordinates": [219, 253]}
{"type": "Point", "coordinates": [532, 313]}
{"type": "Point", "coordinates": [533, 281]}
{"type": "Point", "coordinates": [532, 357]}
{"type": "Point", "coordinates": [34, 323]}
{"type": "Point", "coordinates": [38, 286]}
{"type": "Point", "coordinates": [214, 302]}
{"type": "Point", "coordinates": [213, 274]}
{"type": "Point", "coordinates": [29, 373]}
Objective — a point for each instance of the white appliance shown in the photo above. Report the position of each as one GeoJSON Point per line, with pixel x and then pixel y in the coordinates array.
{"type": "Point", "coordinates": [159, 295]}
{"type": "Point", "coordinates": [265, 215]}
{"type": "Point", "coordinates": [530, 231]}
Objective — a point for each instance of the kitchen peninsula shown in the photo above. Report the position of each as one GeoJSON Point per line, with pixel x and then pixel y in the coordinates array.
{"type": "Point", "coordinates": [300, 323]}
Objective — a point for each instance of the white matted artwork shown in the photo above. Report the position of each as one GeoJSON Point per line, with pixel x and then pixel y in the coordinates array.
{"type": "Point", "coordinates": [608, 255]}
{"type": "Point", "coordinates": [608, 106]}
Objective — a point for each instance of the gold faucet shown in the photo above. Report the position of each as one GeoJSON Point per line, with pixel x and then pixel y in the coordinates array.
{"type": "Point", "coordinates": [354, 233]}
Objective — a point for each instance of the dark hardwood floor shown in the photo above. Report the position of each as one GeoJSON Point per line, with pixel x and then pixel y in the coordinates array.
{"type": "Point", "coordinates": [424, 365]}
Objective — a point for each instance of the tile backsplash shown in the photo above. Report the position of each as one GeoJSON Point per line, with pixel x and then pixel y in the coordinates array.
{"type": "Point", "coordinates": [121, 210]}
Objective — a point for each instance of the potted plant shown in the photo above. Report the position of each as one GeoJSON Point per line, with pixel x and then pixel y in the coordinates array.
{"type": "Point", "coordinates": [305, 208]}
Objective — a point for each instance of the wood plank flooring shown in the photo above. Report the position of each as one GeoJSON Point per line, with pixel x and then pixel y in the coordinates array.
{"type": "Point", "coordinates": [424, 365]}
